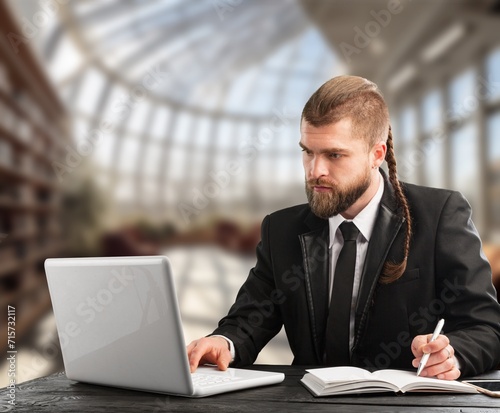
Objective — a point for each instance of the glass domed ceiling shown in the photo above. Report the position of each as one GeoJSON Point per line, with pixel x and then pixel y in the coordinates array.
{"type": "Point", "coordinates": [190, 99]}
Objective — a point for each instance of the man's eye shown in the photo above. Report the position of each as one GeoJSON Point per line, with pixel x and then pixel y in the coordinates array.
{"type": "Point", "coordinates": [307, 152]}
{"type": "Point", "coordinates": [335, 155]}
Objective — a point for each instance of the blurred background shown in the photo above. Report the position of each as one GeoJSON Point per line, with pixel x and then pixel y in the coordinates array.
{"type": "Point", "coordinates": [172, 127]}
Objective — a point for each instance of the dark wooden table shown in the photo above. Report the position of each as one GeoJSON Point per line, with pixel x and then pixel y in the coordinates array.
{"type": "Point", "coordinates": [56, 393]}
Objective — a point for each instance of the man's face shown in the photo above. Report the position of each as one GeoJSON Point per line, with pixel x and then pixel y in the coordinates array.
{"type": "Point", "coordinates": [338, 169]}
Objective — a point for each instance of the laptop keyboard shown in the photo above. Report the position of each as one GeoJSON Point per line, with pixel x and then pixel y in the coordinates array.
{"type": "Point", "coordinates": [203, 380]}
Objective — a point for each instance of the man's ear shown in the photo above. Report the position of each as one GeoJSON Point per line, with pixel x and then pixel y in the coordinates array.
{"type": "Point", "coordinates": [377, 154]}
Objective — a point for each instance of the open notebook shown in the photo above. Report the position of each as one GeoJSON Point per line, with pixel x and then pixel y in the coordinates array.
{"type": "Point", "coordinates": [119, 325]}
{"type": "Point", "coordinates": [331, 381]}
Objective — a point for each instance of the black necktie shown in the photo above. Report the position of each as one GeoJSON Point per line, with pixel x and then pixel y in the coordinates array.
{"type": "Point", "coordinates": [337, 329]}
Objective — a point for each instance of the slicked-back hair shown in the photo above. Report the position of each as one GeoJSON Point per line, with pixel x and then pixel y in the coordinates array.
{"type": "Point", "coordinates": [361, 101]}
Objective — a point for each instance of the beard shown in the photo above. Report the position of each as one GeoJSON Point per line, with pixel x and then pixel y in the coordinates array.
{"type": "Point", "coordinates": [325, 205]}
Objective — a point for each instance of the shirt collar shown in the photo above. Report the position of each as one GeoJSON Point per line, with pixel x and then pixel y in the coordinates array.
{"type": "Point", "coordinates": [365, 220]}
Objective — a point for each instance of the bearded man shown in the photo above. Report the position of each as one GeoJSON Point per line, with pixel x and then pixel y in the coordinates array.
{"type": "Point", "coordinates": [362, 273]}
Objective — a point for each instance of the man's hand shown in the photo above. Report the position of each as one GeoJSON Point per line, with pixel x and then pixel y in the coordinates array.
{"type": "Point", "coordinates": [442, 361]}
{"type": "Point", "coordinates": [213, 350]}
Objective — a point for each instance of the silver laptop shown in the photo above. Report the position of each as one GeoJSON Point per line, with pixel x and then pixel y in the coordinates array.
{"type": "Point", "coordinates": [119, 325]}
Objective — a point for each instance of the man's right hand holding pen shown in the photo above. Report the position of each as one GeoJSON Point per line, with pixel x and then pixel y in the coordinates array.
{"type": "Point", "coordinates": [441, 362]}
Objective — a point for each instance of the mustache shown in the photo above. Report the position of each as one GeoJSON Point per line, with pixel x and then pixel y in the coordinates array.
{"type": "Point", "coordinates": [320, 182]}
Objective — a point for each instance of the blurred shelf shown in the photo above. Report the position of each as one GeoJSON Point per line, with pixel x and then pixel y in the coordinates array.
{"type": "Point", "coordinates": [33, 283]}
{"type": "Point", "coordinates": [11, 174]}
{"type": "Point", "coordinates": [6, 203]}
{"type": "Point", "coordinates": [28, 311]}
{"type": "Point", "coordinates": [19, 265]}
{"type": "Point", "coordinates": [14, 174]}
{"type": "Point", "coordinates": [14, 105]}
{"type": "Point", "coordinates": [34, 130]}
{"type": "Point", "coordinates": [9, 266]}
{"type": "Point", "coordinates": [31, 145]}
{"type": "Point", "coordinates": [51, 250]}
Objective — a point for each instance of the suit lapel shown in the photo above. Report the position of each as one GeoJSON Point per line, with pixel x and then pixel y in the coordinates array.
{"type": "Point", "coordinates": [316, 260]}
{"type": "Point", "coordinates": [387, 226]}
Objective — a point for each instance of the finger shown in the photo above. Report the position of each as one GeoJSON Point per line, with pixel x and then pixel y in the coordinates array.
{"type": "Point", "coordinates": [416, 361]}
{"type": "Point", "coordinates": [442, 364]}
{"type": "Point", "coordinates": [417, 344]}
{"type": "Point", "coordinates": [209, 350]}
{"type": "Point", "coordinates": [446, 370]}
{"type": "Point", "coordinates": [214, 356]}
{"type": "Point", "coordinates": [224, 359]}
{"type": "Point", "coordinates": [190, 346]}
{"type": "Point", "coordinates": [439, 357]}
{"type": "Point", "coordinates": [198, 350]}
{"type": "Point", "coordinates": [452, 374]}
{"type": "Point", "coordinates": [439, 349]}
{"type": "Point", "coordinates": [437, 345]}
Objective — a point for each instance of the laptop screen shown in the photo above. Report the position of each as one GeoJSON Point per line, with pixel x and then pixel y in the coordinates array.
{"type": "Point", "coordinates": [119, 323]}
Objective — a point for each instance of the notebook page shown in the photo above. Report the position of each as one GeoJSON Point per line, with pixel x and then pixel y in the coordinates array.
{"type": "Point", "coordinates": [407, 380]}
{"type": "Point", "coordinates": [342, 374]}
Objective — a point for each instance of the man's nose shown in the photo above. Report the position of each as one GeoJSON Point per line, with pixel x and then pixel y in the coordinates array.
{"type": "Point", "coordinates": [317, 168]}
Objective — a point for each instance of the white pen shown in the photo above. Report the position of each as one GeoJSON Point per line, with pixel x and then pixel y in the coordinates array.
{"type": "Point", "coordinates": [435, 335]}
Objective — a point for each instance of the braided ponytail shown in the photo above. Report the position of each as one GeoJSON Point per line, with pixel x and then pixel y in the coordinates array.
{"type": "Point", "coordinates": [361, 101]}
{"type": "Point", "coordinates": [392, 271]}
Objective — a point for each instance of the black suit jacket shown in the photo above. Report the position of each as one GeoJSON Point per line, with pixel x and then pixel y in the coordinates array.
{"type": "Point", "coordinates": [447, 276]}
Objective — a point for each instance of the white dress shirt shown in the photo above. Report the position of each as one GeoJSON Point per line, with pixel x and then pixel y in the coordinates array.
{"type": "Point", "coordinates": [365, 222]}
